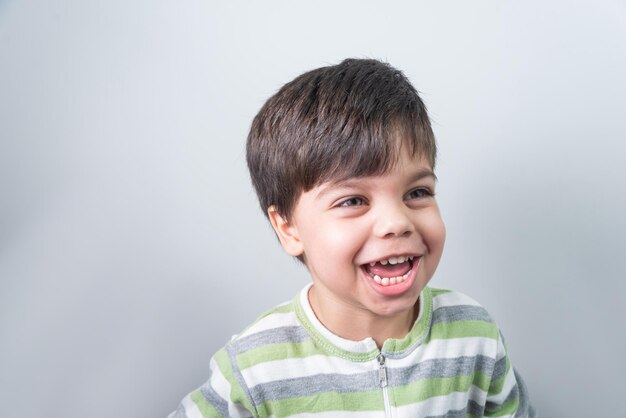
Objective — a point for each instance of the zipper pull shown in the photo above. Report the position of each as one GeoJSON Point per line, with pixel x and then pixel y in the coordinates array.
{"type": "Point", "coordinates": [382, 370]}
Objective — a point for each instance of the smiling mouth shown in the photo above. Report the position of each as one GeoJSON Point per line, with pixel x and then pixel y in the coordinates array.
{"type": "Point", "coordinates": [390, 271]}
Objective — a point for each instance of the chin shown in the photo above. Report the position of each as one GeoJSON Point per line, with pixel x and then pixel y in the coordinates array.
{"type": "Point", "coordinates": [397, 307]}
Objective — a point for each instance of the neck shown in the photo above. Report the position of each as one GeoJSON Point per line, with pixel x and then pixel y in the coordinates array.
{"type": "Point", "coordinates": [355, 323]}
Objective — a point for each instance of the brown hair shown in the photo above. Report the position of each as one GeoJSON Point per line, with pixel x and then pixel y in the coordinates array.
{"type": "Point", "coordinates": [333, 123]}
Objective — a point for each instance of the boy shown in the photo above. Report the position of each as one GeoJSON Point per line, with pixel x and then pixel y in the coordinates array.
{"type": "Point", "coordinates": [342, 160]}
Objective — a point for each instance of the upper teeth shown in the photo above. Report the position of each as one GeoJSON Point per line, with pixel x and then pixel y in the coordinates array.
{"type": "Point", "coordinates": [393, 260]}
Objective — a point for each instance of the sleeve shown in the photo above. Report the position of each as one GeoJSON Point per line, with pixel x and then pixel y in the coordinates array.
{"type": "Point", "coordinates": [221, 396]}
{"type": "Point", "coordinates": [507, 395]}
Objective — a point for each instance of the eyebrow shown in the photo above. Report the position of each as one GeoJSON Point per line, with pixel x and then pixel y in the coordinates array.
{"type": "Point", "coordinates": [351, 182]}
{"type": "Point", "coordinates": [424, 172]}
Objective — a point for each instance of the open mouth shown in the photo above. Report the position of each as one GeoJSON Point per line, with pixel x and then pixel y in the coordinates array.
{"type": "Point", "coordinates": [390, 271]}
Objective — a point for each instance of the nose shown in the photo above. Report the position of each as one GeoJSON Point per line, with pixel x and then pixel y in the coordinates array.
{"type": "Point", "coordinates": [393, 221]}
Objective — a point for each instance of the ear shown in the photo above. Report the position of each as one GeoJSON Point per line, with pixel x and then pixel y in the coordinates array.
{"type": "Point", "coordinates": [286, 231]}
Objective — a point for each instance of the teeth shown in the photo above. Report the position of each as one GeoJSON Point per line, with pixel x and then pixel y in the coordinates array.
{"type": "Point", "coordinates": [387, 281]}
{"type": "Point", "coordinates": [393, 260]}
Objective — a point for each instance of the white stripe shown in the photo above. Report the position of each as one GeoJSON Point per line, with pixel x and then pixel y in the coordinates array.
{"type": "Point", "coordinates": [453, 299]}
{"type": "Point", "coordinates": [340, 413]}
{"type": "Point", "coordinates": [501, 349]}
{"type": "Point", "coordinates": [218, 382]}
{"type": "Point", "coordinates": [270, 371]}
{"type": "Point", "coordinates": [236, 410]}
{"type": "Point", "coordinates": [447, 349]}
{"type": "Point", "coordinates": [191, 409]}
{"type": "Point", "coordinates": [319, 364]}
{"type": "Point", "coordinates": [275, 320]}
{"type": "Point", "coordinates": [437, 405]}
{"type": "Point", "coordinates": [477, 395]}
{"type": "Point", "coordinates": [440, 405]}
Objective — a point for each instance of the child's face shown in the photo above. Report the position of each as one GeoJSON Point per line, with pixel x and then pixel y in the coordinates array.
{"type": "Point", "coordinates": [342, 228]}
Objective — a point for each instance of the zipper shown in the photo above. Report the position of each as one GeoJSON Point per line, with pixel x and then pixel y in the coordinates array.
{"type": "Point", "coordinates": [382, 380]}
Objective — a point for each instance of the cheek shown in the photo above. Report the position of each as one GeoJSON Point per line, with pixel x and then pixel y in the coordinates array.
{"type": "Point", "coordinates": [434, 232]}
{"type": "Point", "coordinates": [331, 245]}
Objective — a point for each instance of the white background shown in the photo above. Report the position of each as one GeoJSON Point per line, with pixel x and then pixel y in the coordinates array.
{"type": "Point", "coordinates": [131, 243]}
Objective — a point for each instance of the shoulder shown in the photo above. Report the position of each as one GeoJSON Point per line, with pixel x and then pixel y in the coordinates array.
{"type": "Point", "coordinates": [243, 362]}
{"type": "Point", "coordinates": [278, 326]}
{"type": "Point", "coordinates": [452, 297]}
{"type": "Point", "coordinates": [450, 302]}
{"type": "Point", "coordinates": [460, 315]}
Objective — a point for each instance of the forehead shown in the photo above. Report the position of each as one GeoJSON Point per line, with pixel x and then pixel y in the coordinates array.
{"type": "Point", "coordinates": [402, 161]}
{"type": "Point", "coordinates": [404, 171]}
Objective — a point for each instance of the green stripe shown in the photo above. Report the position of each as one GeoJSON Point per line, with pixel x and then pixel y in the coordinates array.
{"type": "Point", "coordinates": [281, 309]}
{"type": "Point", "coordinates": [326, 345]}
{"type": "Point", "coordinates": [507, 408]}
{"type": "Point", "coordinates": [324, 402]}
{"type": "Point", "coordinates": [437, 292]}
{"type": "Point", "coordinates": [419, 331]}
{"type": "Point", "coordinates": [237, 394]}
{"type": "Point", "coordinates": [460, 329]}
{"type": "Point", "coordinates": [424, 389]}
{"type": "Point", "coordinates": [206, 409]}
{"type": "Point", "coordinates": [277, 310]}
{"type": "Point", "coordinates": [281, 351]}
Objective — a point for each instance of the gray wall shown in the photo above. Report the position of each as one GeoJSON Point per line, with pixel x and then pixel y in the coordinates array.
{"type": "Point", "coordinates": [131, 245]}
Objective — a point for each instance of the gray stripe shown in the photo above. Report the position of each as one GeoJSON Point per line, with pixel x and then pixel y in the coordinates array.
{"type": "Point", "coordinates": [313, 385]}
{"type": "Point", "coordinates": [440, 368]}
{"type": "Point", "coordinates": [502, 338]}
{"type": "Point", "coordinates": [461, 313]}
{"type": "Point", "coordinates": [237, 373]}
{"type": "Point", "coordinates": [475, 408]}
{"type": "Point", "coordinates": [219, 403]}
{"type": "Point", "coordinates": [292, 334]}
{"type": "Point", "coordinates": [499, 369]}
{"type": "Point", "coordinates": [525, 409]}
{"type": "Point", "coordinates": [362, 382]}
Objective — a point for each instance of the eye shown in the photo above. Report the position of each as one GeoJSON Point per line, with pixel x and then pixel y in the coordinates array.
{"type": "Point", "coordinates": [353, 201]}
{"type": "Point", "coordinates": [419, 193]}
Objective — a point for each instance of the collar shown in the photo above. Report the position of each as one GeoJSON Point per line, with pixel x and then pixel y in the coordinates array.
{"type": "Point", "coordinates": [366, 349]}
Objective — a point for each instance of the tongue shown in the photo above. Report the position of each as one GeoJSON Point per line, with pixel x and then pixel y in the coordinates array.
{"type": "Point", "coordinates": [389, 270]}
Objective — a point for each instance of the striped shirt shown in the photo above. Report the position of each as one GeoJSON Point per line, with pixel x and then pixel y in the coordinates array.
{"type": "Point", "coordinates": [453, 363]}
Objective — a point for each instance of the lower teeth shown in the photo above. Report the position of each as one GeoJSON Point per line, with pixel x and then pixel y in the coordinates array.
{"type": "Point", "coordinates": [386, 281]}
